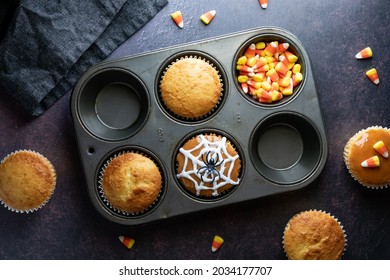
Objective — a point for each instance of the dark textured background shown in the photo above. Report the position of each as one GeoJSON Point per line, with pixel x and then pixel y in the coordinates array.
{"type": "Point", "coordinates": [332, 33]}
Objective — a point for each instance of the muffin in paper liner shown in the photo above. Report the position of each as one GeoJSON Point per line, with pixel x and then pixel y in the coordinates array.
{"type": "Point", "coordinates": [191, 87]}
{"type": "Point", "coordinates": [131, 183]}
{"type": "Point", "coordinates": [314, 235]}
{"type": "Point", "coordinates": [208, 165]}
{"type": "Point", "coordinates": [27, 181]}
{"type": "Point", "coordinates": [359, 148]}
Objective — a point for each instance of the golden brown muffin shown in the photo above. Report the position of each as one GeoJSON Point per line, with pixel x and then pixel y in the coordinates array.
{"type": "Point", "coordinates": [359, 148]}
{"type": "Point", "coordinates": [27, 181]}
{"type": "Point", "coordinates": [208, 165]}
{"type": "Point", "coordinates": [313, 235]}
{"type": "Point", "coordinates": [191, 88]}
{"type": "Point", "coordinates": [131, 182]}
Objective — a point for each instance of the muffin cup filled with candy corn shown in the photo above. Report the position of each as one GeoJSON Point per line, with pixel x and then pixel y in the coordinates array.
{"type": "Point", "coordinates": [269, 69]}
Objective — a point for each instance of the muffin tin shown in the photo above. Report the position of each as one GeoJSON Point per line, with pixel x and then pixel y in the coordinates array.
{"type": "Point", "coordinates": [116, 107]}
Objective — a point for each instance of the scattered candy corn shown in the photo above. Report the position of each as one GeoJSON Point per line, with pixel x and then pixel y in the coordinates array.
{"type": "Point", "coordinates": [127, 241]}
{"type": "Point", "coordinates": [217, 243]}
{"type": "Point", "coordinates": [380, 147]}
{"type": "Point", "coordinates": [178, 18]}
{"type": "Point", "coordinates": [371, 162]}
{"type": "Point", "coordinates": [206, 18]}
{"type": "Point", "coordinates": [263, 3]}
{"type": "Point", "coordinates": [364, 53]}
{"type": "Point", "coordinates": [372, 74]}
{"type": "Point", "coordinates": [268, 71]}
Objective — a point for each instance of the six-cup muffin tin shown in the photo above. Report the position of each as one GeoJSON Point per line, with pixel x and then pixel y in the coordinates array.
{"type": "Point", "coordinates": [116, 107]}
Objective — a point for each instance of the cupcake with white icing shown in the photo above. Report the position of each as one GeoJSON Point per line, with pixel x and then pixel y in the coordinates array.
{"type": "Point", "coordinates": [208, 165]}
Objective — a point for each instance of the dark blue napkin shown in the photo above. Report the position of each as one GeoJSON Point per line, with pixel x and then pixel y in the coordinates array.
{"type": "Point", "coordinates": [48, 44]}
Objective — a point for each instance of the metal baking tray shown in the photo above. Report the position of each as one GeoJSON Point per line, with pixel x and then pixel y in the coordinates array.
{"type": "Point", "coordinates": [116, 106]}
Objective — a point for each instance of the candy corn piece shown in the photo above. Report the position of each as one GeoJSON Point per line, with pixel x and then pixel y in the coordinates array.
{"type": "Point", "coordinates": [251, 51]}
{"type": "Point", "coordinates": [206, 18]}
{"type": "Point", "coordinates": [178, 18]}
{"type": "Point", "coordinates": [272, 74]}
{"type": "Point", "coordinates": [245, 87]}
{"type": "Point", "coordinates": [217, 243]}
{"type": "Point", "coordinates": [127, 241]}
{"type": "Point", "coordinates": [244, 68]}
{"type": "Point", "coordinates": [290, 56]}
{"type": "Point", "coordinates": [372, 74]}
{"type": "Point", "coordinates": [380, 147]}
{"type": "Point", "coordinates": [364, 53]}
{"type": "Point", "coordinates": [283, 47]}
{"type": "Point", "coordinates": [271, 48]}
{"type": "Point", "coordinates": [371, 162]}
{"type": "Point", "coordinates": [263, 3]}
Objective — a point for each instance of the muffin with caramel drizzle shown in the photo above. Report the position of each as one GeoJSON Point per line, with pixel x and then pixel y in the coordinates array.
{"type": "Point", "coordinates": [367, 159]}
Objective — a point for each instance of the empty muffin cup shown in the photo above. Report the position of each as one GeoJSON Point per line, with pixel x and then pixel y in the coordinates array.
{"type": "Point", "coordinates": [270, 68]}
{"type": "Point", "coordinates": [113, 104]}
{"type": "Point", "coordinates": [285, 148]}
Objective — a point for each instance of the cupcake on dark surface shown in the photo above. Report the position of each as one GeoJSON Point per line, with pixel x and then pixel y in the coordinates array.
{"type": "Point", "coordinates": [191, 88]}
{"type": "Point", "coordinates": [27, 181]}
{"type": "Point", "coordinates": [131, 182]}
{"type": "Point", "coordinates": [366, 157]}
{"type": "Point", "coordinates": [208, 165]}
{"type": "Point", "coordinates": [314, 235]}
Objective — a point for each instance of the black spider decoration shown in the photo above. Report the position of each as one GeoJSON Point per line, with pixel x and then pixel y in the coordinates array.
{"type": "Point", "coordinates": [210, 166]}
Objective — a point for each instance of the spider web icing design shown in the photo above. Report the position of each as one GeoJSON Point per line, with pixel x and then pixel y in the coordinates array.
{"type": "Point", "coordinates": [214, 153]}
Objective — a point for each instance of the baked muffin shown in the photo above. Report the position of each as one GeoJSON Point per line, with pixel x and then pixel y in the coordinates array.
{"type": "Point", "coordinates": [191, 88]}
{"type": "Point", "coordinates": [27, 181]}
{"type": "Point", "coordinates": [208, 165]}
{"type": "Point", "coordinates": [313, 235]}
{"type": "Point", "coordinates": [131, 182]}
{"type": "Point", "coordinates": [363, 147]}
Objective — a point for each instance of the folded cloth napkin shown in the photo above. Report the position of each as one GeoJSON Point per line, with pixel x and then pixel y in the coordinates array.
{"type": "Point", "coordinates": [49, 44]}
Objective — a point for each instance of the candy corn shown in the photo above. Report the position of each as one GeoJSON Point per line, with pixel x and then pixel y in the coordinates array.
{"type": "Point", "coordinates": [127, 241]}
{"type": "Point", "coordinates": [250, 51]}
{"type": "Point", "coordinates": [291, 57]}
{"type": "Point", "coordinates": [281, 68]}
{"type": "Point", "coordinates": [242, 60]}
{"type": "Point", "coordinates": [260, 62]}
{"type": "Point", "coordinates": [206, 18]}
{"type": "Point", "coordinates": [364, 53]}
{"type": "Point", "coordinates": [263, 3]}
{"type": "Point", "coordinates": [372, 74]}
{"type": "Point", "coordinates": [178, 18]}
{"type": "Point", "coordinates": [371, 162]}
{"type": "Point", "coordinates": [380, 147]}
{"type": "Point", "coordinates": [267, 71]}
{"type": "Point", "coordinates": [271, 49]}
{"type": "Point", "coordinates": [283, 47]}
{"type": "Point", "coordinates": [245, 87]}
{"type": "Point", "coordinates": [242, 79]}
{"type": "Point", "coordinates": [244, 68]}
{"type": "Point", "coordinates": [273, 74]}
{"type": "Point", "coordinates": [260, 45]}
{"type": "Point", "coordinates": [297, 78]}
{"type": "Point", "coordinates": [217, 243]}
